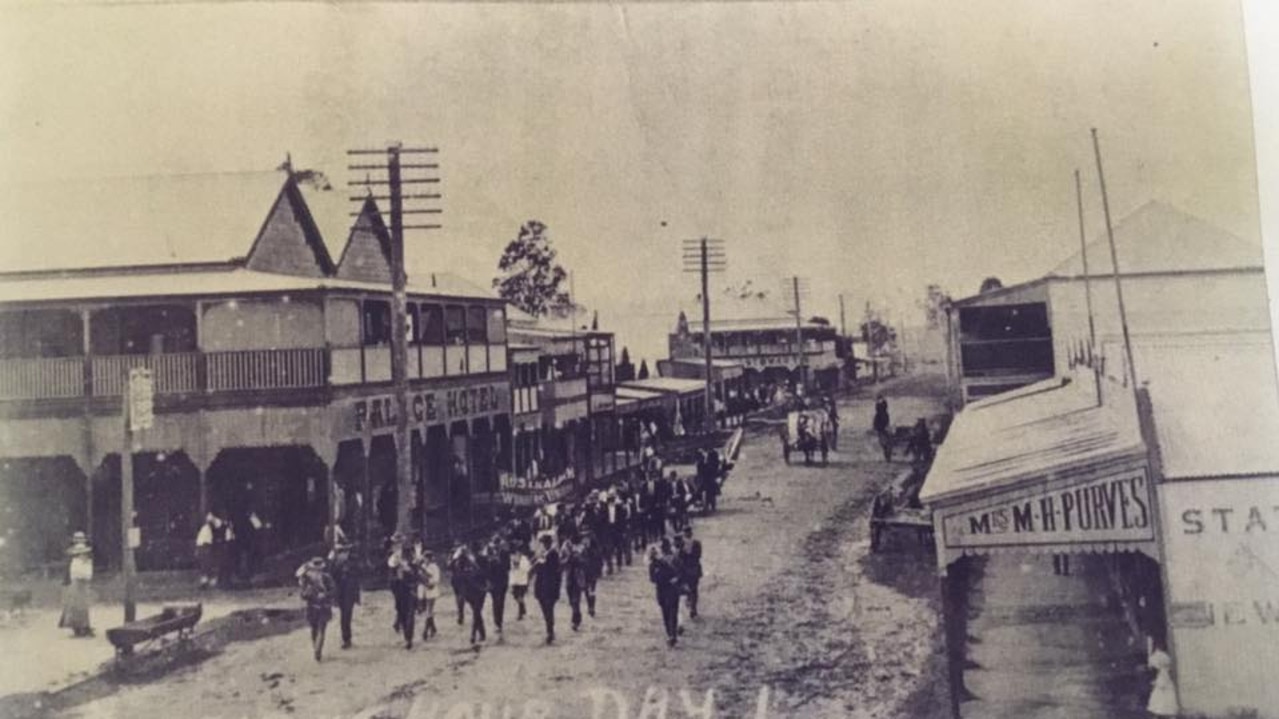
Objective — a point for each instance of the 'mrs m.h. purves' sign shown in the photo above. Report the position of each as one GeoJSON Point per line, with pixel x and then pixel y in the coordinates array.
{"type": "Point", "coordinates": [1115, 508]}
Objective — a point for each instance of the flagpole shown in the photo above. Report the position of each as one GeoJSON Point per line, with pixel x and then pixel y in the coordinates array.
{"type": "Point", "coordinates": [1083, 251]}
{"type": "Point", "coordinates": [1114, 264]}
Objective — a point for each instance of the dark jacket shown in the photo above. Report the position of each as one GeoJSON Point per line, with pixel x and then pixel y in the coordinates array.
{"type": "Point", "coordinates": [346, 575]}
{"type": "Point", "coordinates": [692, 560]}
{"type": "Point", "coordinates": [498, 564]}
{"type": "Point", "coordinates": [473, 576]}
{"type": "Point", "coordinates": [664, 573]}
{"type": "Point", "coordinates": [547, 576]}
{"type": "Point", "coordinates": [574, 567]}
{"type": "Point", "coordinates": [881, 416]}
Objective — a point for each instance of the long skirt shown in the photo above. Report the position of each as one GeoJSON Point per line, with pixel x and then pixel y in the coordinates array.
{"type": "Point", "coordinates": [76, 599]}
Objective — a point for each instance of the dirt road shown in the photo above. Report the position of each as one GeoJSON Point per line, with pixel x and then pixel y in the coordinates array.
{"type": "Point", "coordinates": [798, 620]}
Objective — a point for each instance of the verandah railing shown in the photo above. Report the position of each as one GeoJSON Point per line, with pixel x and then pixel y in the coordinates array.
{"type": "Point", "coordinates": [174, 373]}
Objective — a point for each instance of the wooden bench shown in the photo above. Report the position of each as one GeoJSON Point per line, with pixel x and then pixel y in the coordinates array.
{"type": "Point", "coordinates": [180, 620]}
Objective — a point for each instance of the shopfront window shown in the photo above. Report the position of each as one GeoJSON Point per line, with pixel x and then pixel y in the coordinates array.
{"type": "Point", "coordinates": [413, 324]}
{"type": "Point", "coordinates": [476, 325]}
{"type": "Point", "coordinates": [377, 322]}
{"type": "Point", "coordinates": [497, 326]}
{"type": "Point", "coordinates": [432, 325]}
{"type": "Point", "coordinates": [455, 325]}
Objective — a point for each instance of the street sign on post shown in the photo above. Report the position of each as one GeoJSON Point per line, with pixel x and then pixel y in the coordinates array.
{"type": "Point", "coordinates": [139, 414]}
{"type": "Point", "coordinates": [141, 399]}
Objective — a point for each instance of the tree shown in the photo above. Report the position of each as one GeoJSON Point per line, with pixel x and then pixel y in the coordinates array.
{"type": "Point", "coordinates": [877, 335]}
{"type": "Point", "coordinates": [625, 370]}
{"type": "Point", "coordinates": [935, 303]}
{"type": "Point", "coordinates": [990, 284]}
{"type": "Point", "coordinates": [643, 370]}
{"type": "Point", "coordinates": [531, 278]}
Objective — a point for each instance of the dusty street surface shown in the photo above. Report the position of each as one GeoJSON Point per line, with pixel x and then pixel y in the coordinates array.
{"type": "Point", "coordinates": [797, 621]}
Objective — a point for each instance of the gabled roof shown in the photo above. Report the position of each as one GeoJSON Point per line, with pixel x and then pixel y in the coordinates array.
{"type": "Point", "coordinates": [277, 235]}
{"type": "Point", "coordinates": [142, 220]}
{"type": "Point", "coordinates": [1159, 238]}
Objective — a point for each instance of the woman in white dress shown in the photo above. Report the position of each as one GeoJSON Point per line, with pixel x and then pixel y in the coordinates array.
{"type": "Point", "coordinates": [76, 597]}
{"type": "Point", "coordinates": [1163, 693]}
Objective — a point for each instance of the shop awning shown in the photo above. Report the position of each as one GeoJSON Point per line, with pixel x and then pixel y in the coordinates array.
{"type": "Point", "coordinates": [630, 399]}
{"type": "Point", "coordinates": [1044, 468]}
{"type": "Point", "coordinates": [666, 386]}
{"type": "Point", "coordinates": [721, 369]}
{"type": "Point", "coordinates": [562, 414]}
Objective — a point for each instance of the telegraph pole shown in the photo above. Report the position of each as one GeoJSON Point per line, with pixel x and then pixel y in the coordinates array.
{"type": "Point", "coordinates": [394, 182]}
{"type": "Point", "coordinates": [797, 287]}
{"type": "Point", "coordinates": [705, 256]}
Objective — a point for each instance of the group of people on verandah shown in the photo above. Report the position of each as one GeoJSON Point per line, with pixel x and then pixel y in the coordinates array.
{"type": "Point", "coordinates": [557, 551]}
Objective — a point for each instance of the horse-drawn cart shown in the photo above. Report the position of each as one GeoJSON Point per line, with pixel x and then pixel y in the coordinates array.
{"type": "Point", "coordinates": [180, 620]}
{"type": "Point", "coordinates": [807, 431]}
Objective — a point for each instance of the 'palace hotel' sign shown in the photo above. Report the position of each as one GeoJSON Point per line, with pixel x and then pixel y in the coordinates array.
{"type": "Point", "coordinates": [434, 406]}
{"type": "Point", "coordinates": [1115, 508]}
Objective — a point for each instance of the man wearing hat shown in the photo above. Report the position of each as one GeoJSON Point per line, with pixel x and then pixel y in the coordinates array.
{"type": "Point", "coordinates": [346, 576]}
{"type": "Point", "coordinates": [690, 550]}
{"type": "Point", "coordinates": [548, 578]}
{"type": "Point", "coordinates": [317, 589]}
{"type": "Point", "coordinates": [76, 597]}
{"type": "Point", "coordinates": [403, 583]}
{"type": "Point", "coordinates": [428, 591]}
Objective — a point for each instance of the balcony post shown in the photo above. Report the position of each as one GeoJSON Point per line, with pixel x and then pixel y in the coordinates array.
{"type": "Point", "coordinates": [86, 419]}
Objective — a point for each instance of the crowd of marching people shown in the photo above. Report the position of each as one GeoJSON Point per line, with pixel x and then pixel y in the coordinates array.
{"type": "Point", "coordinates": [559, 550]}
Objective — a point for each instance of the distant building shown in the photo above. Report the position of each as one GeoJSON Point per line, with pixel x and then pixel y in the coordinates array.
{"type": "Point", "coordinates": [1180, 275]}
{"type": "Point", "coordinates": [767, 347]}
{"type": "Point", "coordinates": [571, 430]}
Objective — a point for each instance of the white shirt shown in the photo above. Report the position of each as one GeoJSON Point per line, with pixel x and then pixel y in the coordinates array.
{"type": "Point", "coordinates": [81, 567]}
{"type": "Point", "coordinates": [204, 537]}
{"type": "Point", "coordinates": [520, 569]}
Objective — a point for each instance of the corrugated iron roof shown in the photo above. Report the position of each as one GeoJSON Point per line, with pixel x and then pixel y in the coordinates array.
{"type": "Point", "coordinates": [141, 284]}
{"type": "Point", "coordinates": [666, 384]}
{"type": "Point", "coordinates": [1044, 428]}
{"type": "Point", "coordinates": [1160, 238]}
{"type": "Point", "coordinates": [142, 220]}
{"type": "Point", "coordinates": [634, 394]}
{"type": "Point", "coordinates": [747, 325]}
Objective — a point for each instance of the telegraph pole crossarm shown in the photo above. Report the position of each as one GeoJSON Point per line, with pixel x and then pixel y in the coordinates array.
{"type": "Point", "coordinates": [394, 180]}
{"type": "Point", "coordinates": [703, 257]}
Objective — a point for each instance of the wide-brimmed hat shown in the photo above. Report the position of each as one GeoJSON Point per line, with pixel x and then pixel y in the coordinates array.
{"type": "Point", "coordinates": [397, 538]}
{"type": "Point", "coordinates": [315, 563]}
{"type": "Point", "coordinates": [80, 538]}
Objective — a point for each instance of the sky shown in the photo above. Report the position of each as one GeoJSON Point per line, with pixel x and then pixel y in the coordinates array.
{"type": "Point", "coordinates": [872, 147]}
